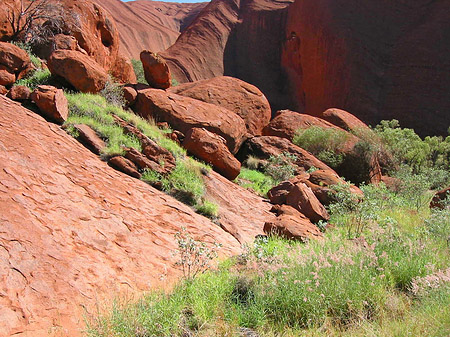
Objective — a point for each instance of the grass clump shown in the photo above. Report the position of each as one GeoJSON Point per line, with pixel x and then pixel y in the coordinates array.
{"type": "Point", "coordinates": [38, 77]}
{"type": "Point", "coordinates": [208, 209]}
{"type": "Point", "coordinates": [255, 180]}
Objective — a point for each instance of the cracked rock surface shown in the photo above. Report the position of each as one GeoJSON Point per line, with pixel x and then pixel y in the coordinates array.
{"type": "Point", "coordinates": [75, 233]}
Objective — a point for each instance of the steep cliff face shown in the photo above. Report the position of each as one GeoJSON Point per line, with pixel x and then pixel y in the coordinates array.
{"type": "Point", "coordinates": [199, 51]}
{"type": "Point", "coordinates": [152, 25]}
{"type": "Point", "coordinates": [379, 60]}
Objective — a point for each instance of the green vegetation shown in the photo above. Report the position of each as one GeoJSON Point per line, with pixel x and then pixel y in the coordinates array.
{"type": "Point", "coordinates": [325, 143]}
{"type": "Point", "coordinates": [208, 209]}
{"type": "Point", "coordinates": [38, 77]}
{"type": "Point", "coordinates": [262, 175]}
{"type": "Point", "coordinates": [390, 277]}
{"type": "Point", "coordinates": [139, 71]}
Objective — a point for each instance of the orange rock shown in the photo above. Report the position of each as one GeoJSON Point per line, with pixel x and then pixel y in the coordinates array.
{"type": "Point", "coordinates": [124, 165]}
{"type": "Point", "coordinates": [244, 99]}
{"type": "Point", "coordinates": [13, 58]}
{"type": "Point", "coordinates": [292, 225]}
{"type": "Point", "coordinates": [303, 199]}
{"type": "Point", "coordinates": [7, 77]}
{"type": "Point", "coordinates": [51, 102]}
{"type": "Point", "coordinates": [89, 138]}
{"type": "Point", "coordinates": [345, 120]}
{"type": "Point", "coordinates": [19, 93]}
{"type": "Point", "coordinates": [184, 113]}
{"type": "Point", "coordinates": [76, 233]}
{"type": "Point", "coordinates": [79, 70]}
{"type": "Point", "coordinates": [156, 70]}
{"type": "Point", "coordinates": [439, 197]}
{"type": "Point", "coordinates": [211, 148]}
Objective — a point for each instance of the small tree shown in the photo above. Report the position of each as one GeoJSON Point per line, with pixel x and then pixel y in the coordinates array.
{"type": "Point", "coordinates": [34, 19]}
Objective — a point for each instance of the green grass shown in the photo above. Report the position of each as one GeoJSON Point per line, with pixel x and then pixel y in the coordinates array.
{"type": "Point", "coordinates": [255, 180]}
{"type": "Point", "coordinates": [38, 77]}
{"type": "Point", "coordinates": [208, 209]}
{"type": "Point", "coordinates": [369, 286]}
{"type": "Point", "coordinates": [139, 71]}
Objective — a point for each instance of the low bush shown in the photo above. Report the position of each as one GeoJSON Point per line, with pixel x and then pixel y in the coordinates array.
{"type": "Point", "coordinates": [139, 71]}
{"type": "Point", "coordinates": [38, 77]}
{"type": "Point", "coordinates": [255, 180]}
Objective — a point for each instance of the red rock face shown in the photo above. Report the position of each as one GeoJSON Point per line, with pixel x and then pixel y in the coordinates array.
{"type": "Point", "coordinates": [149, 24]}
{"type": "Point", "coordinates": [75, 232]}
{"type": "Point", "coordinates": [378, 60]}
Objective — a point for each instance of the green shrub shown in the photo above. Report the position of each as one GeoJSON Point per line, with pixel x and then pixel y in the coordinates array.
{"type": "Point", "coordinates": [208, 209]}
{"type": "Point", "coordinates": [281, 167]}
{"type": "Point", "coordinates": [113, 93]}
{"type": "Point", "coordinates": [325, 143]}
{"type": "Point", "coordinates": [139, 71]}
{"type": "Point", "coordinates": [38, 77]}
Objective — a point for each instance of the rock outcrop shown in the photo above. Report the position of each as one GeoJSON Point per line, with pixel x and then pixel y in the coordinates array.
{"type": "Point", "coordinates": [14, 63]}
{"type": "Point", "coordinates": [80, 70]}
{"type": "Point", "coordinates": [292, 225]}
{"type": "Point", "coordinates": [51, 102]}
{"type": "Point", "coordinates": [156, 71]}
{"type": "Point", "coordinates": [75, 232]}
{"type": "Point", "coordinates": [211, 149]}
{"type": "Point", "coordinates": [184, 113]}
{"type": "Point", "coordinates": [242, 98]}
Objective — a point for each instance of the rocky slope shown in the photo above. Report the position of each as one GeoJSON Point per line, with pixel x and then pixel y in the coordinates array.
{"type": "Point", "coordinates": [153, 25]}
{"type": "Point", "coordinates": [75, 231]}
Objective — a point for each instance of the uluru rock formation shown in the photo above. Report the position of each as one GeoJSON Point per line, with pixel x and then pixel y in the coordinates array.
{"type": "Point", "coordinates": [377, 60]}
{"type": "Point", "coordinates": [153, 25]}
{"type": "Point", "coordinates": [75, 231]}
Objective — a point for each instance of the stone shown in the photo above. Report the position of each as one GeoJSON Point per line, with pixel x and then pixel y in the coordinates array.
{"type": "Point", "coordinates": [303, 199]}
{"type": "Point", "coordinates": [89, 138]}
{"type": "Point", "coordinates": [80, 70]}
{"type": "Point", "coordinates": [51, 102]}
{"type": "Point", "coordinates": [244, 99]}
{"type": "Point", "coordinates": [19, 93]}
{"type": "Point", "coordinates": [265, 146]}
{"type": "Point", "coordinates": [7, 78]}
{"type": "Point", "coordinates": [156, 71]}
{"type": "Point", "coordinates": [211, 149]}
{"type": "Point", "coordinates": [142, 162]}
{"type": "Point", "coordinates": [278, 194]}
{"type": "Point", "coordinates": [292, 225]}
{"type": "Point", "coordinates": [439, 197]}
{"type": "Point", "coordinates": [129, 94]}
{"type": "Point", "coordinates": [14, 58]}
{"type": "Point", "coordinates": [345, 120]}
{"type": "Point", "coordinates": [184, 113]}
{"type": "Point", "coordinates": [124, 165]}
{"type": "Point", "coordinates": [3, 90]}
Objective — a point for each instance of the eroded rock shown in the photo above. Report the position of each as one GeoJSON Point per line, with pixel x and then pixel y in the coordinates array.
{"type": "Point", "coordinates": [51, 102]}
{"type": "Point", "coordinates": [156, 71]}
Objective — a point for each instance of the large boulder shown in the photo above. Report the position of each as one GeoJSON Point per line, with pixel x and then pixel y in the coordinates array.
{"type": "Point", "coordinates": [286, 123]}
{"type": "Point", "coordinates": [302, 198]}
{"type": "Point", "coordinates": [244, 99]}
{"type": "Point", "coordinates": [156, 71]}
{"type": "Point", "coordinates": [266, 146]}
{"type": "Point", "coordinates": [124, 165]}
{"type": "Point", "coordinates": [14, 63]}
{"type": "Point", "coordinates": [51, 102]}
{"type": "Point", "coordinates": [184, 113]}
{"type": "Point", "coordinates": [88, 137]}
{"type": "Point", "coordinates": [211, 148]}
{"type": "Point", "coordinates": [19, 93]}
{"type": "Point", "coordinates": [80, 70]}
{"type": "Point", "coordinates": [345, 120]}
{"type": "Point", "coordinates": [292, 225]}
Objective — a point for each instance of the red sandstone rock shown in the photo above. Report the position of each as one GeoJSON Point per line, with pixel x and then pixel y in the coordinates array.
{"type": "Point", "coordinates": [286, 123]}
{"type": "Point", "coordinates": [13, 57]}
{"type": "Point", "coordinates": [89, 138]}
{"type": "Point", "coordinates": [19, 93]}
{"type": "Point", "coordinates": [345, 120]}
{"type": "Point", "coordinates": [123, 70]}
{"type": "Point", "coordinates": [79, 70]}
{"type": "Point", "coordinates": [149, 25]}
{"type": "Point", "coordinates": [51, 102]}
{"type": "Point", "coordinates": [142, 162]}
{"type": "Point", "coordinates": [156, 70]}
{"type": "Point", "coordinates": [129, 94]}
{"type": "Point", "coordinates": [3, 90]}
{"type": "Point", "coordinates": [242, 98]}
{"type": "Point", "coordinates": [292, 225]}
{"type": "Point", "coordinates": [76, 233]}
{"type": "Point", "coordinates": [7, 77]}
{"type": "Point", "coordinates": [303, 199]}
{"type": "Point", "coordinates": [241, 212]}
{"type": "Point", "coordinates": [278, 194]}
{"type": "Point", "coordinates": [266, 146]}
{"type": "Point", "coordinates": [124, 165]}
{"type": "Point", "coordinates": [184, 113]}
{"type": "Point", "coordinates": [211, 148]}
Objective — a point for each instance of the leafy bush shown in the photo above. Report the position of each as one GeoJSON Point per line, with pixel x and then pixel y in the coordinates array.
{"type": "Point", "coordinates": [113, 93]}
{"type": "Point", "coordinates": [280, 167]}
{"type": "Point", "coordinates": [208, 209]}
{"type": "Point", "coordinates": [324, 143]}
